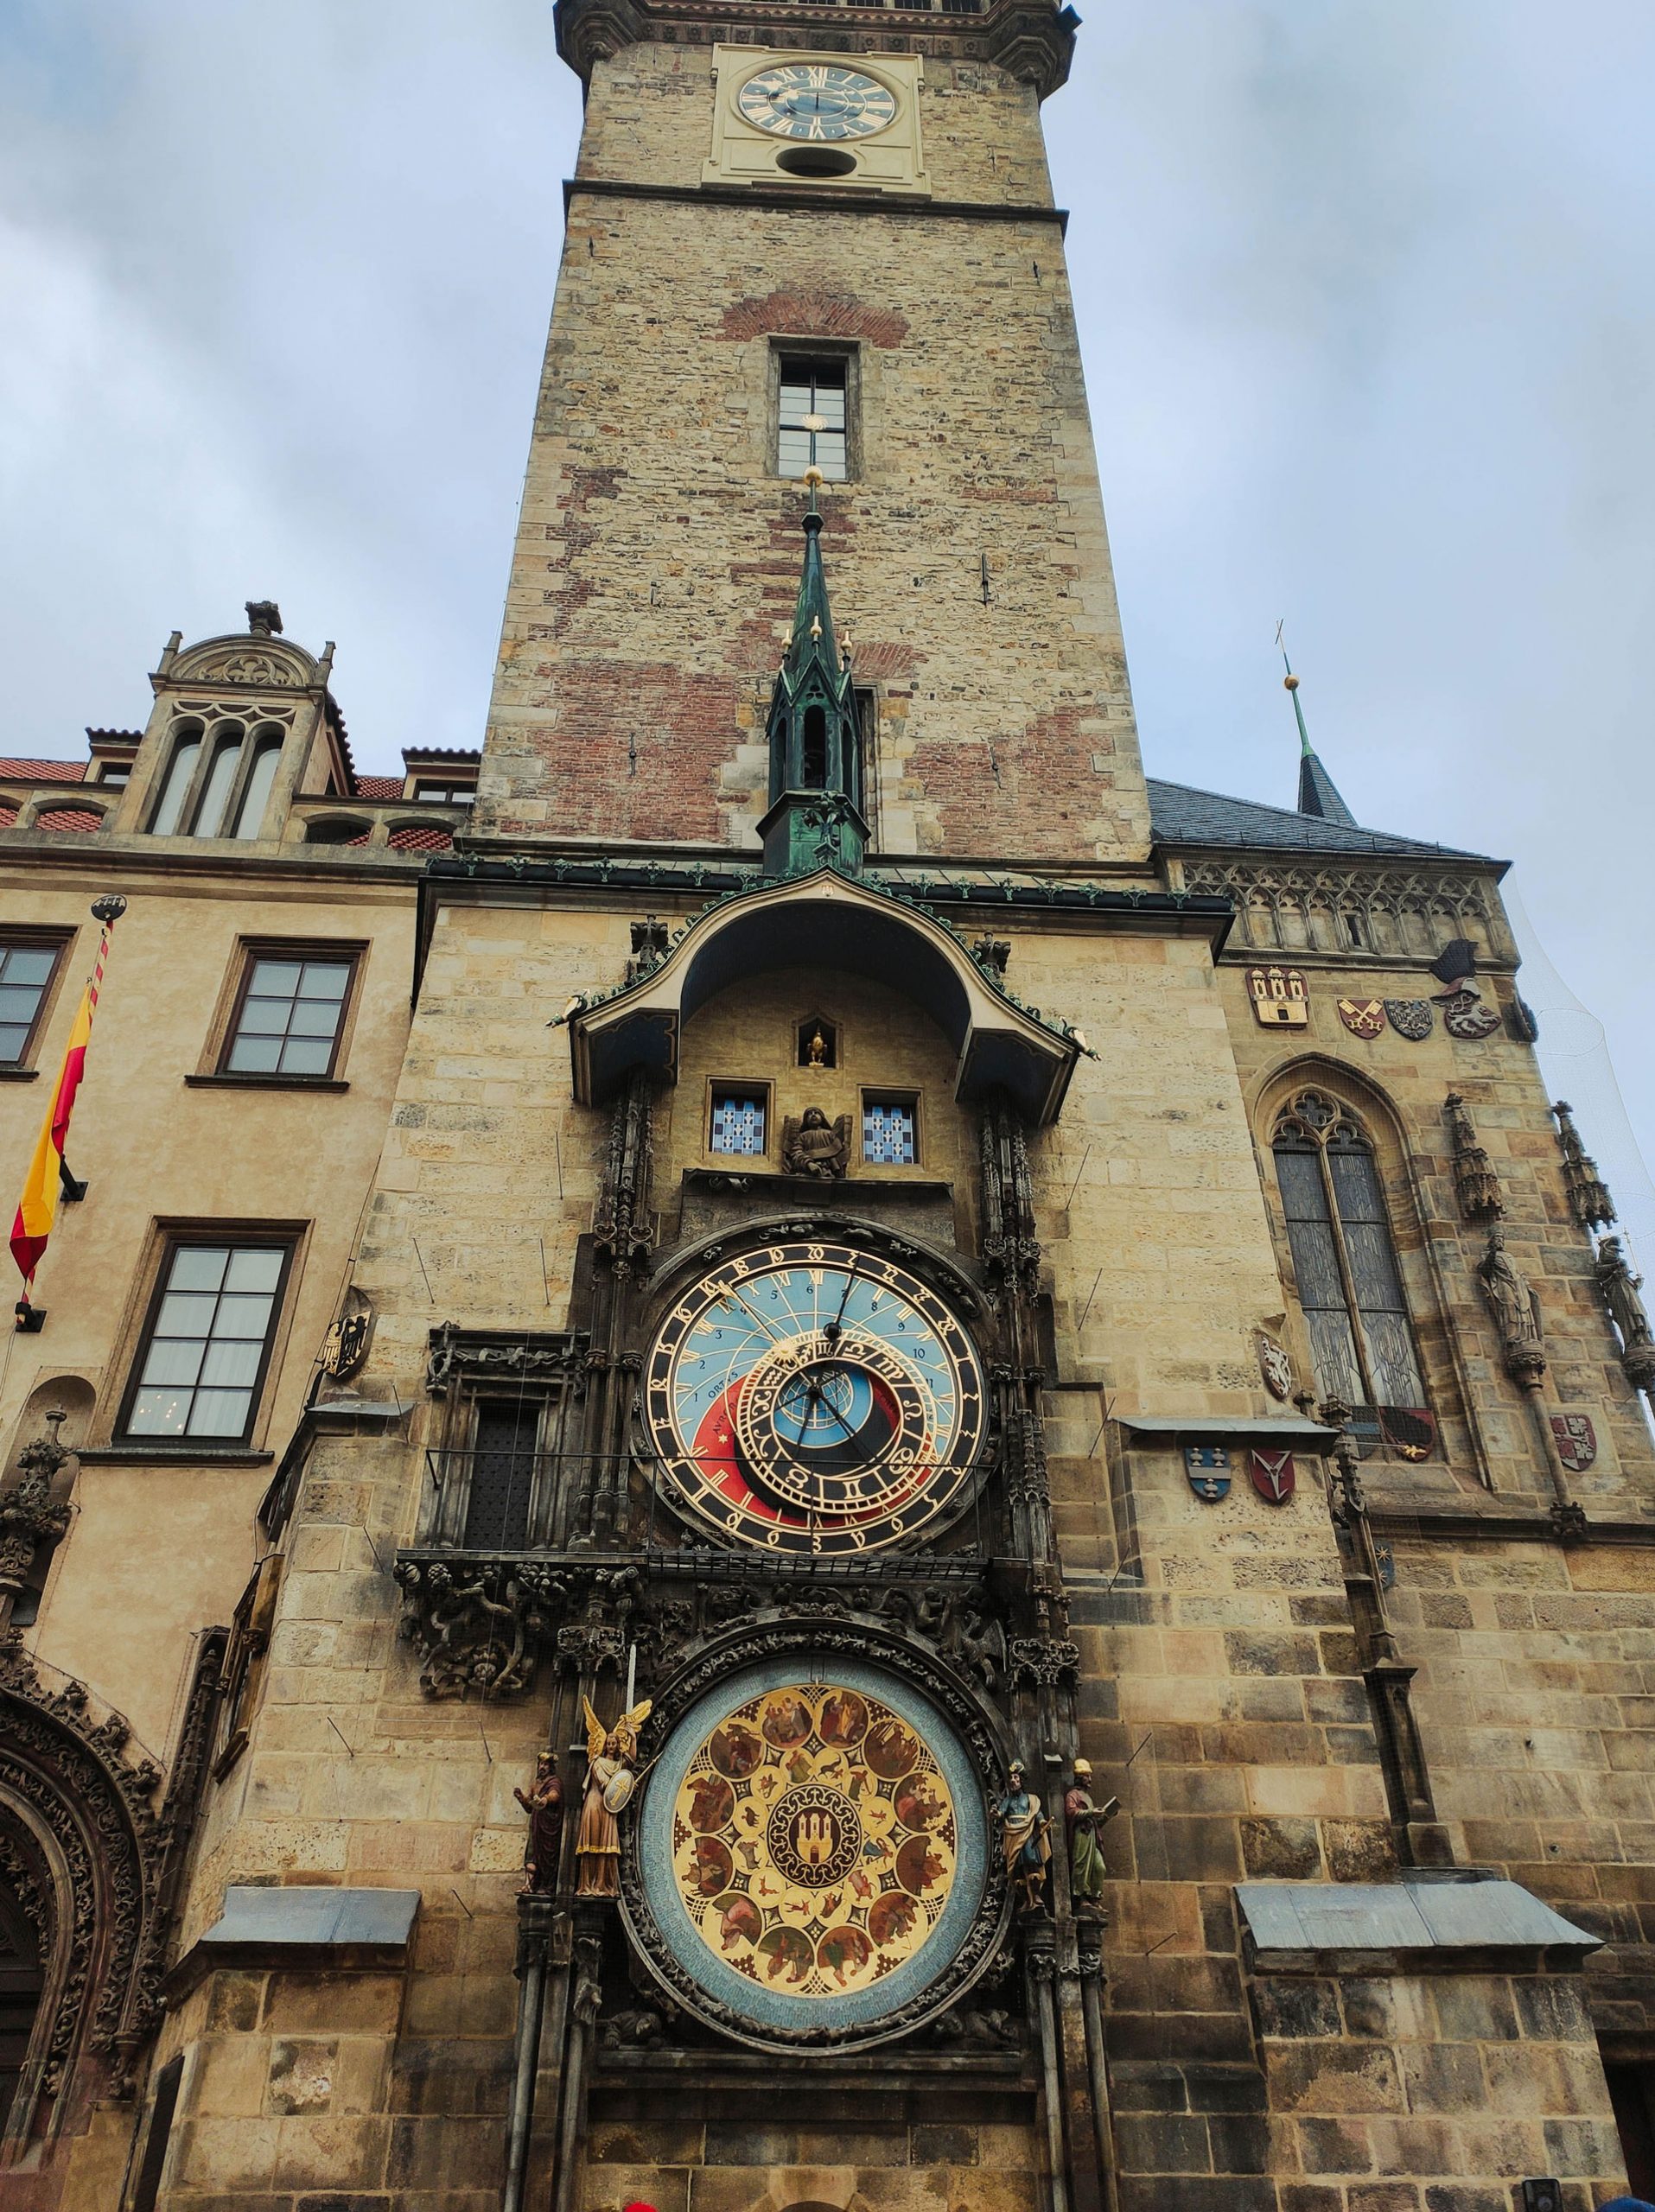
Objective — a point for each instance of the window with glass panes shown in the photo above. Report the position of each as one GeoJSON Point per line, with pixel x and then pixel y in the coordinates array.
{"type": "Point", "coordinates": [738, 1121]}
{"type": "Point", "coordinates": [446, 794]}
{"type": "Point", "coordinates": [203, 1353]}
{"type": "Point", "coordinates": [887, 1132]}
{"type": "Point", "coordinates": [1350, 1286]}
{"type": "Point", "coordinates": [811, 420]}
{"type": "Point", "coordinates": [25, 971]}
{"type": "Point", "coordinates": [288, 1021]}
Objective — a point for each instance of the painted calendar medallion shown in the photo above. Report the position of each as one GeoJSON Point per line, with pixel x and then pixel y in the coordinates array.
{"type": "Point", "coordinates": [828, 1871]}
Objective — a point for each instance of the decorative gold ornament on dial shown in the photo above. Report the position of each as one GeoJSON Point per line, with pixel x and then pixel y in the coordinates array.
{"type": "Point", "coordinates": [816, 100]}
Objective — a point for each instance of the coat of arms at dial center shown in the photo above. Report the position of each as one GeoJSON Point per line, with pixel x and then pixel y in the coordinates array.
{"type": "Point", "coordinates": [815, 1841]}
{"type": "Point", "coordinates": [814, 1397]}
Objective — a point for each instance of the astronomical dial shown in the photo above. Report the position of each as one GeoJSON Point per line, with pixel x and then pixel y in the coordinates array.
{"type": "Point", "coordinates": [814, 1398]}
{"type": "Point", "coordinates": [816, 100]}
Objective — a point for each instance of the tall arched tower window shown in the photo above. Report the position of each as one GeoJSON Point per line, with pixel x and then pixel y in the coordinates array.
{"type": "Point", "coordinates": [1350, 1286]}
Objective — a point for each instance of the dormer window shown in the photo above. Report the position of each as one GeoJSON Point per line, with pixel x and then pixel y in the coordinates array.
{"type": "Point", "coordinates": [217, 786]}
{"type": "Point", "coordinates": [440, 794]}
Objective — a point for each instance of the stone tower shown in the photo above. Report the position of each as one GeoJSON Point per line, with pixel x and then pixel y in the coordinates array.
{"type": "Point", "coordinates": [975, 1388]}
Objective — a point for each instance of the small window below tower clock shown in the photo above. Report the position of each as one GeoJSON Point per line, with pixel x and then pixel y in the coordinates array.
{"type": "Point", "coordinates": [812, 417]}
{"type": "Point", "coordinates": [739, 1114]}
{"type": "Point", "coordinates": [889, 1131]}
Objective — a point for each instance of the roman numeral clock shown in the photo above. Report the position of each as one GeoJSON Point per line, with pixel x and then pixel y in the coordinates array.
{"type": "Point", "coordinates": [854, 123]}
{"type": "Point", "coordinates": [812, 1851]}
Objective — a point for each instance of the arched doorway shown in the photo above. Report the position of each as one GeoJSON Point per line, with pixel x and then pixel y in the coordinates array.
{"type": "Point", "coordinates": [22, 1980]}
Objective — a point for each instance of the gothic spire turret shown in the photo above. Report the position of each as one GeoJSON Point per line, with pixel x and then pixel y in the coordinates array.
{"type": "Point", "coordinates": [1318, 793]}
{"type": "Point", "coordinates": [815, 817]}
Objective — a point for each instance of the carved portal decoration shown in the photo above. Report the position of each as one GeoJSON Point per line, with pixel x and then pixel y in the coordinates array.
{"type": "Point", "coordinates": [95, 1867]}
{"type": "Point", "coordinates": [32, 1520]}
{"type": "Point", "coordinates": [814, 1860]}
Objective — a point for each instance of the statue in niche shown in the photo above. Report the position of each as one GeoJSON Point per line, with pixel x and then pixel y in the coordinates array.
{"type": "Point", "coordinates": [1620, 1287]}
{"type": "Point", "coordinates": [812, 1145]}
{"type": "Point", "coordinates": [545, 1806]}
{"type": "Point", "coordinates": [1025, 1837]}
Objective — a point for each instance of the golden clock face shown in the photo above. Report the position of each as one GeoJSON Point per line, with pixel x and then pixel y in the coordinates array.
{"type": "Point", "coordinates": [815, 1841]}
{"type": "Point", "coordinates": [810, 1397]}
{"type": "Point", "coordinates": [816, 100]}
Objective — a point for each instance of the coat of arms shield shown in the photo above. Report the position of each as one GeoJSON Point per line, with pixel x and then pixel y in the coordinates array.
{"type": "Point", "coordinates": [1465, 1015]}
{"type": "Point", "coordinates": [1362, 1017]}
{"type": "Point", "coordinates": [1281, 997]}
{"type": "Point", "coordinates": [1274, 1475]}
{"type": "Point", "coordinates": [1207, 1466]}
{"type": "Point", "coordinates": [1275, 1366]}
{"type": "Point", "coordinates": [1409, 1018]}
{"type": "Point", "coordinates": [1577, 1440]}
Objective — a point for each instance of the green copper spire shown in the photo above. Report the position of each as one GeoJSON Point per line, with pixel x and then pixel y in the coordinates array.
{"type": "Point", "coordinates": [815, 818]}
{"type": "Point", "coordinates": [1318, 793]}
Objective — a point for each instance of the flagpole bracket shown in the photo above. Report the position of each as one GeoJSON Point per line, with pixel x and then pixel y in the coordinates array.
{"type": "Point", "coordinates": [73, 1189]}
{"type": "Point", "coordinates": [31, 1320]}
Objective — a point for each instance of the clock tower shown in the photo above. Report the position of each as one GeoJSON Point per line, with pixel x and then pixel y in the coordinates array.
{"type": "Point", "coordinates": [875, 1242]}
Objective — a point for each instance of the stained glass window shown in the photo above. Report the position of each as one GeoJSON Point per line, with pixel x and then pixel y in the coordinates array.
{"type": "Point", "coordinates": [738, 1121]}
{"type": "Point", "coordinates": [887, 1132]}
{"type": "Point", "coordinates": [1350, 1286]}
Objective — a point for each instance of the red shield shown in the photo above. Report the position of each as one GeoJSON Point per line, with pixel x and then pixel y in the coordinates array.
{"type": "Point", "coordinates": [1273, 1474]}
{"type": "Point", "coordinates": [1362, 1017]}
{"type": "Point", "coordinates": [1577, 1440]}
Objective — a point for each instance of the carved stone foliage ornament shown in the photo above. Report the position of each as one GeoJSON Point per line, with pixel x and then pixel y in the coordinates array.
{"type": "Point", "coordinates": [813, 1859]}
{"type": "Point", "coordinates": [97, 1899]}
{"type": "Point", "coordinates": [1281, 997]}
{"type": "Point", "coordinates": [481, 1356]}
{"type": "Point", "coordinates": [31, 1519]}
{"type": "Point", "coordinates": [1409, 1018]}
{"type": "Point", "coordinates": [1476, 1183]}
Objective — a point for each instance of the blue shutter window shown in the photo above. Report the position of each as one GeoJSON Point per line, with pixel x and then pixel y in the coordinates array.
{"type": "Point", "coordinates": [888, 1133]}
{"type": "Point", "coordinates": [738, 1122]}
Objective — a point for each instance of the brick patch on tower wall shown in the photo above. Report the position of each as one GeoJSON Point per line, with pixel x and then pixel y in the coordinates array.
{"type": "Point", "coordinates": [807, 311]}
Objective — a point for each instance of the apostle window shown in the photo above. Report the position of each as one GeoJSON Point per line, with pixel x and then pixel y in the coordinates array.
{"type": "Point", "coordinates": [812, 417]}
{"type": "Point", "coordinates": [1350, 1286]}
{"type": "Point", "coordinates": [27, 966]}
{"type": "Point", "coordinates": [217, 785]}
{"type": "Point", "coordinates": [290, 1013]}
{"type": "Point", "coordinates": [206, 1342]}
{"type": "Point", "coordinates": [738, 1120]}
{"type": "Point", "coordinates": [890, 1131]}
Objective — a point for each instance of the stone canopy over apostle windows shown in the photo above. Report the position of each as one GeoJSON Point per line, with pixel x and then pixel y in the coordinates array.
{"type": "Point", "coordinates": [1346, 1270]}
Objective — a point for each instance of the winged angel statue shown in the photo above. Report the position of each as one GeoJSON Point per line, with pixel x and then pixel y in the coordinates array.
{"type": "Point", "coordinates": [611, 1776]}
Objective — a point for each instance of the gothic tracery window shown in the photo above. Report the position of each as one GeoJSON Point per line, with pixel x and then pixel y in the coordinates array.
{"type": "Point", "coordinates": [1350, 1286]}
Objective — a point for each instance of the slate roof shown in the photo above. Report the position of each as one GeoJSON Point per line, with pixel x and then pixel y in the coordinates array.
{"type": "Point", "coordinates": [1180, 814]}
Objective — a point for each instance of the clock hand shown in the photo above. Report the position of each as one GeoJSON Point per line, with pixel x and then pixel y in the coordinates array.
{"type": "Point", "coordinates": [752, 1316]}
{"type": "Point", "coordinates": [831, 1332]}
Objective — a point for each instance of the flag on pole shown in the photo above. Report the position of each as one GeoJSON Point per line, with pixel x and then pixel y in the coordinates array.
{"type": "Point", "coordinates": [37, 1208]}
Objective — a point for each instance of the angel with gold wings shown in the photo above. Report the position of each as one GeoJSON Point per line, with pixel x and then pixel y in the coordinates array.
{"type": "Point", "coordinates": [611, 1775]}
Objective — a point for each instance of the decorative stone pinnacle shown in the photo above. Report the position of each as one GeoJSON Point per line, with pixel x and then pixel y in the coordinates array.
{"type": "Point", "coordinates": [1588, 1194]}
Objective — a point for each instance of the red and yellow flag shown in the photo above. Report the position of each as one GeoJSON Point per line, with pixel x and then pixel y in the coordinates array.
{"type": "Point", "coordinates": [37, 1208]}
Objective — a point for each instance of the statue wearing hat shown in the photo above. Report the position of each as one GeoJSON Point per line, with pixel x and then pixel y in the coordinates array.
{"type": "Point", "coordinates": [1087, 1871]}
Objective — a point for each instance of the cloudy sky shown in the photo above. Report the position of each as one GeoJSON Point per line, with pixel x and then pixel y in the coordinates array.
{"type": "Point", "coordinates": [1368, 307]}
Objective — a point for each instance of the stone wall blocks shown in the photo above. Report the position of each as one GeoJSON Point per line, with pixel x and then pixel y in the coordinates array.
{"type": "Point", "coordinates": [1282, 1850]}
{"type": "Point", "coordinates": [1334, 2146]}
{"type": "Point", "coordinates": [1333, 2077]}
{"type": "Point", "coordinates": [1163, 2143]}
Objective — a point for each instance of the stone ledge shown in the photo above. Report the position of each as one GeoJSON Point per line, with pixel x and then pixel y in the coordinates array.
{"type": "Point", "coordinates": [301, 1926]}
{"type": "Point", "coordinates": [1458, 1923]}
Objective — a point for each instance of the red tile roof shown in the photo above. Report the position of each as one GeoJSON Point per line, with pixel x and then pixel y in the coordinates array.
{"type": "Point", "coordinates": [45, 772]}
{"type": "Point", "coordinates": [378, 787]}
{"type": "Point", "coordinates": [84, 818]}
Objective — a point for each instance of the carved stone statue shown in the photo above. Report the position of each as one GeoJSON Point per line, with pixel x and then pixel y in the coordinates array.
{"type": "Point", "coordinates": [611, 1765]}
{"type": "Point", "coordinates": [813, 1145]}
{"type": "Point", "coordinates": [1516, 1310]}
{"type": "Point", "coordinates": [545, 1806]}
{"type": "Point", "coordinates": [1087, 1868]}
{"type": "Point", "coordinates": [1620, 1288]}
{"type": "Point", "coordinates": [816, 1050]}
{"type": "Point", "coordinates": [1025, 1837]}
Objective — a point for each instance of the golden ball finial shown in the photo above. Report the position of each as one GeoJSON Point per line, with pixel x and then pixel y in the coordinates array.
{"type": "Point", "coordinates": [813, 477]}
{"type": "Point", "coordinates": [1289, 681]}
